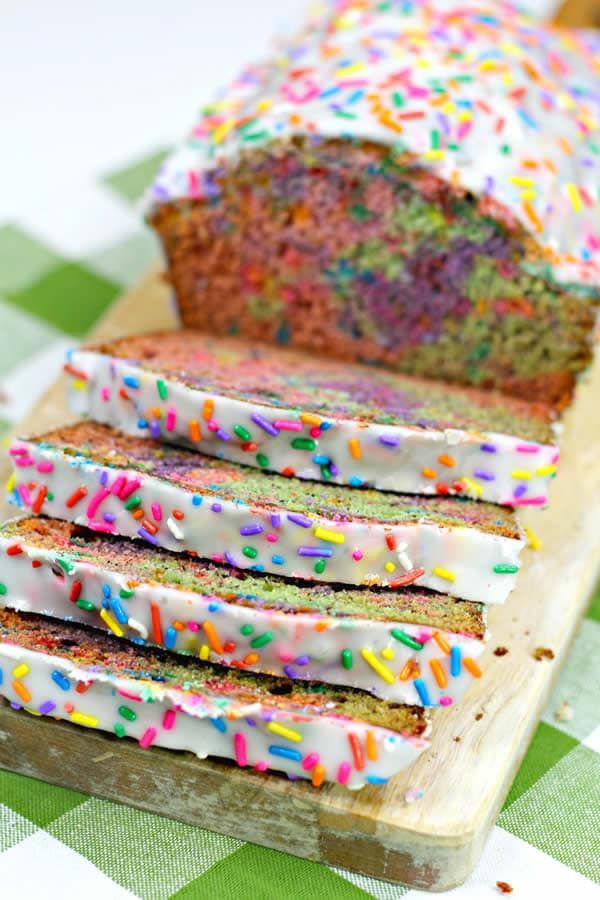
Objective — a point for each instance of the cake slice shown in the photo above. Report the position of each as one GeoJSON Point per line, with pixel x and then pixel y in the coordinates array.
{"type": "Point", "coordinates": [184, 501]}
{"type": "Point", "coordinates": [320, 419]}
{"type": "Point", "coordinates": [413, 184]}
{"type": "Point", "coordinates": [413, 646]}
{"type": "Point", "coordinates": [306, 730]}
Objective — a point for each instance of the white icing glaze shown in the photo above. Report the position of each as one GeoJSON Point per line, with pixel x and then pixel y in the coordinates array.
{"type": "Point", "coordinates": [207, 724]}
{"type": "Point", "coordinates": [456, 560]}
{"type": "Point", "coordinates": [517, 84]}
{"type": "Point", "coordinates": [316, 640]}
{"type": "Point", "coordinates": [396, 465]}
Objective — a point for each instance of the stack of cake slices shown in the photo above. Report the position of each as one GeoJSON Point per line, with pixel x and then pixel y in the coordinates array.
{"type": "Point", "coordinates": [272, 535]}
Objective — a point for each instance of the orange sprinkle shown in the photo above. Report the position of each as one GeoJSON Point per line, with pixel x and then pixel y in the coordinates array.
{"type": "Point", "coordinates": [251, 659]}
{"type": "Point", "coordinates": [472, 667]}
{"type": "Point", "coordinates": [565, 146]}
{"type": "Point", "coordinates": [446, 460]}
{"type": "Point", "coordinates": [208, 409]}
{"type": "Point", "coordinates": [310, 419]}
{"type": "Point", "coordinates": [321, 626]}
{"type": "Point", "coordinates": [357, 752]}
{"type": "Point", "coordinates": [138, 513]}
{"type": "Point", "coordinates": [156, 412]}
{"type": "Point", "coordinates": [194, 431]}
{"type": "Point", "coordinates": [213, 638]}
{"type": "Point", "coordinates": [149, 526]}
{"type": "Point", "coordinates": [532, 216]}
{"type": "Point", "coordinates": [438, 672]}
{"type": "Point", "coordinates": [177, 514]}
{"type": "Point", "coordinates": [386, 119]}
{"type": "Point", "coordinates": [354, 447]}
{"type": "Point", "coordinates": [179, 626]}
{"type": "Point", "coordinates": [416, 671]}
{"type": "Point", "coordinates": [406, 671]}
{"type": "Point", "coordinates": [20, 689]}
{"type": "Point", "coordinates": [441, 642]}
{"type": "Point", "coordinates": [157, 633]}
{"type": "Point", "coordinates": [318, 775]}
{"type": "Point", "coordinates": [39, 500]}
{"type": "Point", "coordinates": [428, 473]}
{"type": "Point", "coordinates": [371, 746]}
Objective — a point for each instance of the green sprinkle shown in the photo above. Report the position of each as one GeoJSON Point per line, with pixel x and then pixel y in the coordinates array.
{"type": "Point", "coordinates": [246, 630]}
{"type": "Point", "coordinates": [262, 460]}
{"type": "Point", "coordinates": [505, 148]}
{"type": "Point", "coordinates": [505, 569]}
{"type": "Point", "coordinates": [86, 604]}
{"type": "Point", "coordinates": [397, 99]}
{"type": "Point", "coordinates": [453, 146]}
{"type": "Point", "coordinates": [347, 659]}
{"type": "Point", "coordinates": [242, 433]}
{"type": "Point", "coordinates": [304, 444]}
{"type": "Point", "coordinates": [162, 389]}
{"type": "Point", "coordinates": [406, 639]}
{"type": "Point", "coordinates": [3, 589]}
{"type": "Point", "coordinates": [126, 593]}
{"type": "Point", "coordinates": [245, 125]}
{"type": "Point", "coordinates": [262, 640]}
{"type": "Point", "coordinates": [435, 139]}
{"type": "Point", "coordinates": [251, 552]}
{"type": "Point", "coordinates": [256, 135]}
{"type": "Point", "coordinates": [119, 730]}
{"type": "Point", "coordinates": [325, 473]}
{"type": "Point", "coordinates": [65, 564]}
{"type": "Point", "coordinates": [134, 502]}
{"type": "Point", "coordinates": [342, 114]}
{"type": "Point", "coordinates": [320, 566]}
{"type": "Point", "coordinates": [127, 713]}
{"type": "Point", "coordinates": [49, 496]}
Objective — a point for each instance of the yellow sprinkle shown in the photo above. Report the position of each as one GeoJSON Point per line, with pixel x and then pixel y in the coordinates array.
{"type": "Point", "coordinates": [310, 419]}
{"type": "Point", "coordinates": [388, 654]}
{"type": "Point", "coordinates": [446, 574]}
{"type": "Point", "coordinates": [32, 712]}
{"type": "Point", "coordinates": [574, 197]}
{"type": "Point", "coordinates": [390, 567]}
{"type": "Point", "coordinates": [78, 385]}
{"type": "Point", "coordinates": [21, 670]}
{"type": "Point", "coordinates": [10, 484]}
{"type": "Point", "coordinates": [333, 537]}
{"type": "Point", "coordinates": [377, 666]}
{"type": "Point", "coordinates": [111, 623]}
{"type": "Point", "coordinates": [287, 733]}
{"type": "Point", "coordinates": [434, 155]}
{"type": "Point", "coordinates": [522, 181]}
{"type": "Point", "coordinates": [83, 719]}
{"type": "Point", "coordinates": [345, 71]}
{"type": "Point", "coordinates": [545, 470]}
{"type": "Point", "coordinates": [465, 117]}
{"type": "Point", "coordinates": [354, 447]}
{"type": "Point", "coordinates": [222, 131]}
{"type": "Point", "coordinates": [204, 651]}
{"type": "Point", "coordinates": [534, 541]}
{"type": "Point", "coordinates": [529, 194]}
{"type": "Point", "coordinates": [521, 474]}
{"type": "Point", "coordinates": [263, 105]}
{"type": "Point", "coordinates": [472, 485]}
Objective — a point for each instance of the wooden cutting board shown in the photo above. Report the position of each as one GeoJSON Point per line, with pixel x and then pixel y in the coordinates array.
{"type": "Point", "coordinates": [476, 748]}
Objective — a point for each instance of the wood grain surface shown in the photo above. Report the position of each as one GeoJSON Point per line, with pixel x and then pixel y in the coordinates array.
{"type": "Point", "coordinates": [432, 843]}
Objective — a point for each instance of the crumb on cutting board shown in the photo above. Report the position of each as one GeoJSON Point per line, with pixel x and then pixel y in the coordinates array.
{"type": "Point", "coordinates": [543, 653]}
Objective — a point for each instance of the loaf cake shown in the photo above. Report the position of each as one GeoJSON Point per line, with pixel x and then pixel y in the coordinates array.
{"type": "Point", "coordinates": [413, 184]}
{"type": "Point", "coordinates": [412, 646]}
{"type": "Point", "coordinates": [288, 412]}
{"type": "Point", "coordinates": [308, 730]}
{"type": "Point", "coordinates": [184, 501]}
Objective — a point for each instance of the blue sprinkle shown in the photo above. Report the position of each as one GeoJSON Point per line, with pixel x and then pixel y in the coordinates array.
{"type": "Point", "coordinates": [131, 381]}
{"type": "Point", "coordinates": [355, 481]}
{"type": "Point", "coordinates": [106, 590]}
{"type": "Point", "coordinates": [1, 676]}
{"type": "Point", "coordinates": [170, 637]}
{"type": "Point", "coordinates": [277, 560]}
{"type": "Point", "coordinates": [320, 459]}
{"type": "Point", "coordinates": [196, 500]}
{"type": "Point", "coordinates": [214, 607]}
{"type": "Point", "coordinates": [455, 661]}
{"type": "Point", "coordinates": [142, 423]}
{"type": "Point", "coordinates": [61, 680]}
{"type": "Point", "coordinates": [219, 724]}
{"type": "Point", "coordinates": [285, 752]}
{"type": "Point", "coordinates": [325, 426]}
{"type": "Point", "coordinates": [119, 613]}
{"type": "Point", "coordinates": [377, 779]}
{"type": "Point", "coordinates": [421, 689]}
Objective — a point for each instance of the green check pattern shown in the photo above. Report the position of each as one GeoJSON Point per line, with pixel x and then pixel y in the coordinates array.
{"type": "Point", "coordinates": [547, 838]}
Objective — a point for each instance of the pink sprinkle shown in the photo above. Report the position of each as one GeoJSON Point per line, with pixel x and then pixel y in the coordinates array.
{"type": "Point", "coordinates": [17, 451]}
{"type": "Point", "coordinates": [120, 482]}
{"type": "Point", "coordinates": [45, 466]}
{"type": "Point", "coordinates": [310, 761]}
{"type": "Point", "coordinates": [107, 527]}
{"type": "Point", "coordinates": [463, 130]}
{"type": "Point", "coordinates": [129, 696]}
{"type": "Point", "coordinates": [343, 773]}
{"type": "Point", "coordinates": [147, 737]}
{"type": "Point", "coordinates": [105, 394]}
{"type": "Point", "coordinates": [95, 502]}
{"type": "Point", "coordinates": [24, 494]}
{"type": "Point", "coordinates": [315, 432]}
{"type": "Point", "coordinates": [285, 657]}
{"type": "Point", "coordinates": [530, 501]}
{"type": "Point", "coordinates": [218, 557]}
{"type": "Point", "coordinates": [212, 425]}
{"type": "Point", "coordinates": [239, 743]}
{"type": "Point", "coordinates": [168, 719]}
{"type": "Point", "coordinates": [555, 458]}
{"type": "Point", "coordinates": [357, 555]}
{"type": "Point", "coordinates": [284, 425]}
{"type": "Point", "coordinates": [261, 766]}
{"type": "Point", "coordinates": [193, 626]}
{"type": "Point", "coordinates": [272, 538]}
{"type": "Point", "coordinates": [24, 461]}
{"type": "Point", "coordinates": [527, 448]}
{"type": "Point", "coordinates": [128, 489]}
{"type": "Point", "coordinates": [170, 419]}
{"type": "Point", "coordinates": [446, 701]}
{"type": "Point", "coordinates": [156, 512]}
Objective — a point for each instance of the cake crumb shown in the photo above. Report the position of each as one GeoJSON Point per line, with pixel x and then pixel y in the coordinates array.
{"type": "Point", "coordinates": [563, 712]}
{"type": "Point", "coordinates": [456, 739]}
{"type": "Point", "coordinates": [500, 651]}
{"type": "Point", "coordinates": [413, 794]}
{"type": "Point", "coordinates": [543, 653]}
{"type": "Point", "coordinates": [504, 887]}
{"type": "Point", "coordinates": [478, 716]}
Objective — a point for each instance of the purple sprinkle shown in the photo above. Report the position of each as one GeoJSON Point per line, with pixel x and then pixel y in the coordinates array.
{"type": "Point", "coordinates": [388, 440]}
{"type": "Point", "coordinates": [250, 721]}
{"type": "Point", "coordinates": [216, 507]}
{"type": "Point", "coordinates": [15, 706]}
{"type": "Point", "coordinates": [275, 520]}
{"type": "Point", "coordinates": [334, 469]}
{"type": "Point", "coordinates": [264, 424]}
{"type": "Point", "coordinates": [483, 475]}
{"type": "Point", "coordinates": [109, 517]}
{"type": "Point", "coordinates": [520, 490]}
{"type": "Point", "coordinates": [290, 672]}
{"type": "Point", "coordinates": [299, 519]}
{"type": "Point", "coordinates": [230, 558]}
{"type": "Point", "coordinates": [223, 435]}
{"type": "Point", "coordinates": [47, 707]}
{"type": "Point", "coordinates": [253, 528]}
{"type": "Point", "coordinates": [315, 551]}
{"type": "Point", "coordinates": [302, 660]}
{"type": "Point", "coordinates": [154, 428]}
{"type": "Point", "coordinates": [267, 715]}
{"type": "Point", "coordinates": [104, 478]}
{"type": "Point", "coordinates": [488, 448]}
{"type": "Point", "coordinates": [144, 533]}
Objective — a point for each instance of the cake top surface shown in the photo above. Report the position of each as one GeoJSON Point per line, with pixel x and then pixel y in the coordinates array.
{"type": "Point", "coordinates": [218, 480]}
{"type": "Point", "coordinates": [209, 685]}
{"type": "Point", "coordinates": [486, 97]}
{"type": "Point", "coordinates": [280, 377]}
{"type": "Point", "coordinates": [142, 564]}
